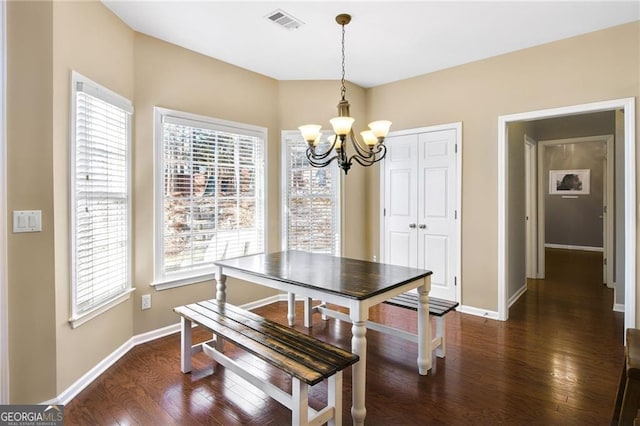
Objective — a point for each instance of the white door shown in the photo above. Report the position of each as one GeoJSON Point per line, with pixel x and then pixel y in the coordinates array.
{"type": "Point", "coordinates": [400, 200]}
{"type": "Point", "coordinates": [437, 241]}
{"type": "Point", "coordinates": [420, 227]}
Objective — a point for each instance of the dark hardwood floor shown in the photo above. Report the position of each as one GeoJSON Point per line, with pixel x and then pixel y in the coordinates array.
{"type": "Point", "coordinates": [557, 361]}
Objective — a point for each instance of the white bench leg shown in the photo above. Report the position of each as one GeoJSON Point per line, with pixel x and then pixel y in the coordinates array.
{"type": "Point", "coordinates": [300, 396]}
{"type": "Point", "coordinates": [334, 398]}
{"type": "Point", "coordinates": [441, 349]}
{"type": "Point", "coordinates": [291, 309]}
{"type": "Point", "coordinates": [185, 345]}
{"type": "Point", "coordinates": [307, 312]}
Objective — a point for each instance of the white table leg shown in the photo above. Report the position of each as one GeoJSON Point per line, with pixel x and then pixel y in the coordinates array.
{"type": "Point", "coordinates": [424, 331]}
{"type": "Point", "coordinates": [291, 309]}
{"type": "Point", "coordinates": [221, 286]}
{"type": "Point", "coordinates": [359, 369]}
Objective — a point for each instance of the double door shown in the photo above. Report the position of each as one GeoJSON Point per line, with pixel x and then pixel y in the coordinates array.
{"type": "Point", "coordinates": [421, 213]}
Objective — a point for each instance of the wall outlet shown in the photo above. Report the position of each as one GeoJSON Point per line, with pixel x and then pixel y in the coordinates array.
{"type": "Point", "coordinates": [375, 258]}
{"type": "Point", "coordinates": [146, 302]}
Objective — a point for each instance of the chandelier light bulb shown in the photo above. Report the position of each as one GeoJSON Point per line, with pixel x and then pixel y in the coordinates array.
{"type": "Point", "coordinates": [342, 125]}
{"type": "Point", "coordinates": [380, 128]}
{"type": "Point", "coordinates": [310, 132]}
{"type": "Point", "coordinates": [369, 138]}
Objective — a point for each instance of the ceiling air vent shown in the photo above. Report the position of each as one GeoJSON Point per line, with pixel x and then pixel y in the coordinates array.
{"type": "Point", "coordinates": [284, 19]}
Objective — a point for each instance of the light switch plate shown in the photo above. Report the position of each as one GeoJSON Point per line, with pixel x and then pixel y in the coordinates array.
{"type": "Point", "coordinates": [27, 221]}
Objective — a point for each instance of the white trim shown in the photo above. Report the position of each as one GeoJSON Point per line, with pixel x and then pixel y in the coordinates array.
{"type": "Point", "coordinates": [4, 291]}
{"type": "Point", "coordinates": [618, 307]}
{"type": "Point", "coordinates": [530, 160]}
{"type": "Point", "coordinates": [485, 313]}
{"type": "Point", "coordinates": [628, 104]}
{"type": "Point", "coordinates": [573, 247]}
{"type": "Point", "coordinates": [77, 321]}
{"type": "Point", "coordinates": [181, 282]}
{"type": "Point", "coordinates": [457, 126]}
{"type": "Point", "coordinates": [521, 291]}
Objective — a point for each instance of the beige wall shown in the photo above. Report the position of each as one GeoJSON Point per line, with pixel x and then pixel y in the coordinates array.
{"type": "Point", "coordinates": [46, 40]}
{"type": "Point", "coordinates": [597, 66]}
{"type": "Point", "coordinates": [32, 331]}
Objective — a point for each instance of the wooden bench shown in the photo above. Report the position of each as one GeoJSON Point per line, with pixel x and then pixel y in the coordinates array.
{"type": "Point", "coordinates": [437, 308]}
{"type": "Point", "coordinates": [305, 359]}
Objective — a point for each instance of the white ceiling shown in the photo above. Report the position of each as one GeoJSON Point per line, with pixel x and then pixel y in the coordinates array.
{"type": "Point", "coordinates": [386, 40]}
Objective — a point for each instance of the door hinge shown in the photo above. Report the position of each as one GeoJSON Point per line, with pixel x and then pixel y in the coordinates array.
{"type": "Point", "coordinates": [604, 209]}
{"type": "Point", "coordinates": [455, 214]}
{"type": "Point", "coordinates": [384, 211]}
{"type": "Point", "coordinates": [455, 148]}
{"type": "Point", "coordinates": [604, 261]}
{"type": "Point", "coordinates": [455, 281]}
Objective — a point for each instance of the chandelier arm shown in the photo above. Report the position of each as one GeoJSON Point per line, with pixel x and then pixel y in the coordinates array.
{"type": "Point", "coordinates": [312, 154]}
{"type": "Point", "coordinates": [314, 161]}
{"type": "Point", "coordinates": [371, 159]}
{"type": "Point", "coordinates": [325, 154]}
{"type": "Point", "coordinates": [361, 150]}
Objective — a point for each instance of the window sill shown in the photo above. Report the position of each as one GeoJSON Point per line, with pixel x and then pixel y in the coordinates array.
{"type": "Point", "coordinates": [77, 321]}
{"type": "Point", "coordinates": [181, 282]}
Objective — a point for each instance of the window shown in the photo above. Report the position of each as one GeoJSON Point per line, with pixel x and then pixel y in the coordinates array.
{"type": "Point", "coordinates": [311, 200]}
{"type": "Point", "coordinates": [209, 195]}
{"type": "Point", "coordinates": [100, 198]}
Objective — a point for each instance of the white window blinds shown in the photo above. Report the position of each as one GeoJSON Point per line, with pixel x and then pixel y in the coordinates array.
{"type": "Point", "coordinates": [100, 196]}
{"type": "Point", "coordinates": [210, 180]}
{"type": "Point", "coordinates": [311, 218]}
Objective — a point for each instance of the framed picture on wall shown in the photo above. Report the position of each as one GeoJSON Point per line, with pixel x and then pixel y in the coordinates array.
{"type": "Point", "coordinates": [574, 182]}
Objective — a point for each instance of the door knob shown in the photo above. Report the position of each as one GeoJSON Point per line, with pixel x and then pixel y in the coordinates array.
{"type": "Point", "coordinates": [422, 226]}
{"type": "Point", "coordinates": [412, 225]}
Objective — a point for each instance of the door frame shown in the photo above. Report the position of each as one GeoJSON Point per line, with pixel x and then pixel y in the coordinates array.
{"type": "Point", "coordinates": [457, 126]}
{"type": "Point", "coordinates": [626, 104]}
{"type": "Point", "coordinates": [607, 225]}
{"type": "Point", "coordinates": [531, 206]}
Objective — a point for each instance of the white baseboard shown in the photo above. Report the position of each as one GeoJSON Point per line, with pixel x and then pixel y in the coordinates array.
{"type": "Point", "coordinates": [478, 312]}
{"type": "Point", "coordinates": [84, 381]}
{"type": "Point", "coordinates": [618, 307]}
{"type": "Point", "coordinates": [264, 302]}
{"type": "Point", "coordinates": [513, 299]}
{"type": "Point", "coordinates": [571, 247]}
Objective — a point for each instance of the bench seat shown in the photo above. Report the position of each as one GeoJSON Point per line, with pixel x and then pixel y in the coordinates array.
{"type": "Point", "coordinates": [437, 307]}
{"type": "Point", "coordinates": [306, 359]}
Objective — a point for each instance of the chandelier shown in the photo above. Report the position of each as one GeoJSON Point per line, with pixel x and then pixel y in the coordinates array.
{"type": "Point", "coordinates": [373, 149]}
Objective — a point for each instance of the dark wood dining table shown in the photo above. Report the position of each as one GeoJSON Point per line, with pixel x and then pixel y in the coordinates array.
{"type": "Point", "coordinates": [354, 284]}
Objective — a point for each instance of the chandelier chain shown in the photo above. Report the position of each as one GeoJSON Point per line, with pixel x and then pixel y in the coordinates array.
{"type": "Point", "coordinates": [343, 89]}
